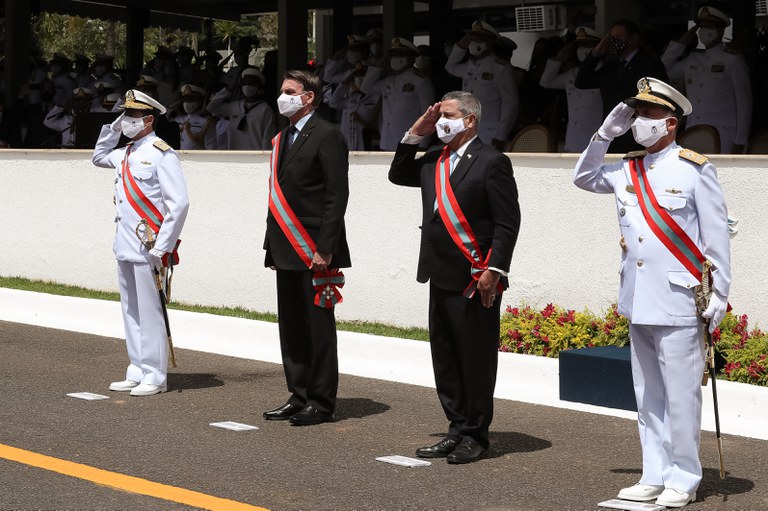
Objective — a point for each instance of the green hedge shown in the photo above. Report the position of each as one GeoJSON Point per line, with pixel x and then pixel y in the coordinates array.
{"type": "Point", "coordinates": [547, 331]}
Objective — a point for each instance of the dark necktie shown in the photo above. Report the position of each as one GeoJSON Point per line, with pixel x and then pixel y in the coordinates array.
{"type": "Point", "coordinates": [292, 131]}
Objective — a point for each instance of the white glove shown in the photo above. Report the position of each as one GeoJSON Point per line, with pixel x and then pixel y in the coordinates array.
{"type": "Point", "coordinates": [618, 122]}
{"type": "Point", "coordinates": [116, 126]}
{"type": "Point", "coordinates": [156, 258]}
{"type": "Point", "coordinates": [715, 311]}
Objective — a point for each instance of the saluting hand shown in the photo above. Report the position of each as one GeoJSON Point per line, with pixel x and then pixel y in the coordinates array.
{"type": "Point", "coordinates": [486, 286]}
{"type": "Point", "coordinates": [425, 125]}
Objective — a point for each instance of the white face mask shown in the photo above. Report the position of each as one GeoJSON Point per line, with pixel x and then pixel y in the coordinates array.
{"type": "Point", "coordinates": [648, 131]}
{"type": "Point", "coordinates": [190, 106]}
{"type": "Point", "coordinates": [132, 126]}
{"type": "Point", "coordinates": [398, 63]}
{"type": "Point", "coordinates": [476, 48]}
{"type": "Point", "coordinates": [288, 105]}
{"type": "Point", "coordinates": [581, 53]}
{"type": "Point", "coordinates": [250, 90]}
{"type": "Point", "coordinates": [447, 129]}
{"type": "Point", "coordinates": [707, 35]}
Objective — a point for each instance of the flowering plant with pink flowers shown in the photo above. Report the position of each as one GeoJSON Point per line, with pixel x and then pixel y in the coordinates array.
{"type": "Point", "coordinates": [742, 352]}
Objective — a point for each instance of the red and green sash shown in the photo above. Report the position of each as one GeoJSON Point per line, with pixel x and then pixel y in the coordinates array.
{"type": "Point", "coordinates": [326, 283]}
{"type": "Point", "coordinates": [663, 225]}
{"type": "Point", "coordinates": [143, 206]}
{"type": "Point", "coordinates": [457, 225]}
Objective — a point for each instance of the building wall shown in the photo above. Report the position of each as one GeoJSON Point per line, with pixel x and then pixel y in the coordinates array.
{"type": "Point", "coordinates": [57, 224]}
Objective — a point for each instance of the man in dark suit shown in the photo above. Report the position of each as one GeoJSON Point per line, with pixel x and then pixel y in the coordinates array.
{"type": "Point", "coordinates": [310, 170]}
{"type": "Point", "coordinates": [463, 325]}
{"type": "Point", "coordinates": [624, 63]}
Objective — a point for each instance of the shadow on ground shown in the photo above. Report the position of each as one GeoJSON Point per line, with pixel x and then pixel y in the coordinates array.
{"type": "Point", "coordinates": [179, 382]}
{"type": "Point", "coordinates": [358, 407]}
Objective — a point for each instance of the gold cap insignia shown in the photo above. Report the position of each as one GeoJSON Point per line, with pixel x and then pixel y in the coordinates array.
{"type": "Point", "coordinates": [396, 42]}
{"type": "Point", "coordinates": [129, 97]}
{"type": "Point", "coordinates": [581, 32]}
{"type": "Point", "coordinates": [645, 86]}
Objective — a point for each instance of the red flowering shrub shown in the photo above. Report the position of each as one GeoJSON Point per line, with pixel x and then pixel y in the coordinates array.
{"type": "Point", "coordinates": [547, 331]}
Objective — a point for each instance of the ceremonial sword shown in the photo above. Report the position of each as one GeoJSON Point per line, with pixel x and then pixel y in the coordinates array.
{"type": "Point", "coordinates": [147, 238]}
{"type": "Point", "coordinates": [703, 294]}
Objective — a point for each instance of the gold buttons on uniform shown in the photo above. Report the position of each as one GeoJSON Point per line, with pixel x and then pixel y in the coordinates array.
{"type": "Point", "coordinates": [640, 262]}
{"type": "Point", "coordinates": [640, 239]}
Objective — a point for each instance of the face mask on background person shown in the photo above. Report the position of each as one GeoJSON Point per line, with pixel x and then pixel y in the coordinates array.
{"type": "Point", "coordinates": [398, 63]}
{"type": "Point", "coordinates": [447, 129]}
{"type": "Point", "coordinates": [707, 35]}
{"type": "Point", "coordinates": [648, 131]}
{"type": "Point", "coordinates": [582, 53]}
{"type": "Point", "coordinates": [288, 105]}
{"type": "Point", "coordinates": [132, 126]}
{"type": "Point", "coordinates": [476, 48]}
{"type": "Point", "coordinates": [190, 106]}
{"type": "Point", "coordinates": [619, 46]}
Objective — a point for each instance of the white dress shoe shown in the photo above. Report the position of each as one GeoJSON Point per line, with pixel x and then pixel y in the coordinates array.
{"type": "Point", "coordinates": [147, 389]}
{"type": "Point", "coordinates": [674, 498]}
{"type": "Point", "coordinates": [641, 492]}
{"type": "Point", "coordinates": [123, 386]}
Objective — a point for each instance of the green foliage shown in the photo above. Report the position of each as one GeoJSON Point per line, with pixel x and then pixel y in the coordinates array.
{"type": "Point", "coordinates": [548, 331]}
{"type": "Point", "coordinates": [744, 350]}
{"type": "Point", "coordinates": [59, 33]}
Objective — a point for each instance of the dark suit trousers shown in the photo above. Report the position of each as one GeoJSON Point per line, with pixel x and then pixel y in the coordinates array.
{"type": "Point", "coordinates": [307, 342]}
{"type": "Point", "coordinates": [464, 337]}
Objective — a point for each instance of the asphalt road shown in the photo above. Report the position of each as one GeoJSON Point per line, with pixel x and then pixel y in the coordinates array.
{"type": "Point", "coordinates": [541, 458]}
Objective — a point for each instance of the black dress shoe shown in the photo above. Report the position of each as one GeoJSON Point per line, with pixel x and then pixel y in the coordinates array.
{"type": "Point", "coordinates": [466, 452]}
{"type": "Point", "coordinates": [282, 413]}
{"type": "Point", "coordinates": [440, 450]}
{"type": "Point", "coordinates": [309, 416]}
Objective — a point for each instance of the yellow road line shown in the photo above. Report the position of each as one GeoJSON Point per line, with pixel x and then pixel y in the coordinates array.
{"type": "Point", "coordinates": [123, 482]}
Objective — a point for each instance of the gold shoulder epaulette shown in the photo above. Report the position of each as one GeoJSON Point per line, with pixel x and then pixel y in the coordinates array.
{"type": "Point", "coordinates": [161, 144]}
{"type": "Point", "coordinates": [693, 156]}
{"type": "Point", "coordinates": [634, 154]}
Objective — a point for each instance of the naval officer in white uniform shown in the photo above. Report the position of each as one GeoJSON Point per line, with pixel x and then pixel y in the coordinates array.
{"type": "Point", "coordinates": [656, 292]}
{"type": "Point", "coordinates": [585, 106]}
{"type": "Point", "coordinates": [405, 92]}
{"type": "Point", "coordinates": [716, 80]}
{"type": "Point", "coordinates": [490, 79]}
{"type": "Point", "coordinates": [156, 170]}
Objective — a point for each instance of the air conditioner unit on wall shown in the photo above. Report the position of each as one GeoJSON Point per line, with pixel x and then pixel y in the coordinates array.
{"type": "Point", "coordinates": [537, 18]}
{"type": "Point", "coordinates": [761, 7]}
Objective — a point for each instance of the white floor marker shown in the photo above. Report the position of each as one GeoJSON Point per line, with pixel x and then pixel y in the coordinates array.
{"type": "Point", "coordinates": [403, 461]}
{"type": "Point", "coordinates": [629, 505]}
{"type": "Point", "coordinates": [234, 426]}
{"type": "Point", "coordinates": [88, 396]}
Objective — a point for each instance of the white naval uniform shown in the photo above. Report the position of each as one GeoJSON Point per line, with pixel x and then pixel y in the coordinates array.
{"type": "Point", "coordinates": [157, 171]}
{"type": "Point", "coordinates": [585, 106]}
{"type": "Point", "coordinates": [405, 97]}
{"type": "Point", "coordinates": [259, 125]}
{"type": "Point", "coordinates": [337, 70]}
{"type": "Point", "coordinates": [197, 124]}
{"type": "Point", "coordinates": [490, 79]}
{"type": "Point", "coordinates": [350, 103]}
{"type": "Point", "coordinates": [62, 121]}
{"type": "Point", "coordinates": [656, 295]}
{"type": "Point", "coordinates": [717, 85]}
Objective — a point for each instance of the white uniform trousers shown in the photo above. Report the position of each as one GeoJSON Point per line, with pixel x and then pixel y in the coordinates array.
{"type": "Point", "coordinates": [667, 367]}
{"type": "Point", "coordinates": [145, 335]}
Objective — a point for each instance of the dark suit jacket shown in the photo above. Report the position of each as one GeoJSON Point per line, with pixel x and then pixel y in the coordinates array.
{"type": "Point", "coordinates": [618, 82]}
{"type": "Point", "coordinates": [313, 175]}
{"type": "Point", "coordinates": [486, 191]}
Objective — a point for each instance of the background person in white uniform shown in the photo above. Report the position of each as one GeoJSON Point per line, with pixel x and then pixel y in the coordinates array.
{"type": "Point", "coordinates": [657, 291]}
{"type": "Point", "coordinates": [157, 172]}
{"type": "Point", "coordinates": [716, 80]}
